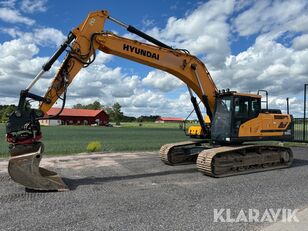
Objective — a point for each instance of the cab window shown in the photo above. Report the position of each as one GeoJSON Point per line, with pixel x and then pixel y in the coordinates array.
{"type": "Point", "coordinates": [241, 107]}
{"type": "Point", "coordinates": [256, 107]}
{"type": "Point", "coordinates": [245, 107]}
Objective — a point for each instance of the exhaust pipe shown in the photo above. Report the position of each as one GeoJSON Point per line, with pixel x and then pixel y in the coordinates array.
{"type": "Point", "coordinates": [24, 169]}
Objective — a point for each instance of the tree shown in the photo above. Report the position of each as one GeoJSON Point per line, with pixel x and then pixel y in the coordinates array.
{"type": "Point", "coordinates": [96, 106]}
{"type": "Point", "coordinates": [129, 118]}
{"type": "Point", "coordinates": [78, 106]}
{"type": "Point", "coordinates": [92, 106]}
{"type": "Point", "coordinates": [151, 118]}
{"type": "Point", "coordinates": [6, 110]}
{"type": "Point", "coordinates": [117, 114]}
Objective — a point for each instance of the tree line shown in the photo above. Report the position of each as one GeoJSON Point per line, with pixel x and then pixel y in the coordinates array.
{"type": "Point", "coordinates": [5, 111]}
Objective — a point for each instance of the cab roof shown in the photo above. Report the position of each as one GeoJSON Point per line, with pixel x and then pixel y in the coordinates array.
{"type": "Point", "coordinates": [234, 93]}
{"type": "Point", "coordinates": [248, 95]}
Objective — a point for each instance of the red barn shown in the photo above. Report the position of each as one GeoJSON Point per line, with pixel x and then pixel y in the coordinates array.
{"type": "Point", "coordinates": [77, 117]}
{"type": "Point", "coordinates": [169, 120]}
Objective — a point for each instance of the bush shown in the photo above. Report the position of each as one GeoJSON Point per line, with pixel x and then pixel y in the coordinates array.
{"type": "Point", "coordinates": [94, 146]}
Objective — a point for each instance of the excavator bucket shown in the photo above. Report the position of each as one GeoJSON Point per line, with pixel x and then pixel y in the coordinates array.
{"type": "Point", "coordinates": [24, 169]}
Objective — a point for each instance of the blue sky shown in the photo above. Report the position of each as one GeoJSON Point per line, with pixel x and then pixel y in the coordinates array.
{"type": "Point", "coordinates": [246, 45]}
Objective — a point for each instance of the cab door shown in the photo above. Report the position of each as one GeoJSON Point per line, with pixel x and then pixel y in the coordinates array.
{"type": "Point", "coordinates": [244, 108]}
{"type": "Point", "coordinates": [221, 125]}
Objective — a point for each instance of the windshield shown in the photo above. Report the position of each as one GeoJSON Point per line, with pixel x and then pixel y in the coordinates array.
{"type": "Point", "coordinates": [222, 119]}
{"type": "Point", "coordinates": [223, 105]}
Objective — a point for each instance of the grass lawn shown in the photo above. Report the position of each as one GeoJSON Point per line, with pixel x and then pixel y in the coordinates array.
{"type": "Point", "coordinates": [61, 140]}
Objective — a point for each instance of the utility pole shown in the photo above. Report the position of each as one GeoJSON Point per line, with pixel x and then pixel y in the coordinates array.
{"type": "Point", "coordinates": [305, 96]}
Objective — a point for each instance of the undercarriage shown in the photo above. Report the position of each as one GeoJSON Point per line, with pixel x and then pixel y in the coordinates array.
{"type": "Point", "coordinates": [222, 161]}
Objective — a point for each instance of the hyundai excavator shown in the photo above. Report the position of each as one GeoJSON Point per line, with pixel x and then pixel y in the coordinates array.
{"type": "Point", "coordinates": [235, 118]}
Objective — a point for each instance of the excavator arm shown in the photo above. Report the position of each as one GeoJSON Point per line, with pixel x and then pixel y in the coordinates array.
{"type": "Point", "coordinates": [91, 36]}
{"type": "Point", "coordinates": [23, 128]}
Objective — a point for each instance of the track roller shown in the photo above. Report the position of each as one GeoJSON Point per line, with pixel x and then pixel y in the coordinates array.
{"type": "Point", "coordinates": [182, 152]}
{"type": "Point", "coordinates": [235, 160]}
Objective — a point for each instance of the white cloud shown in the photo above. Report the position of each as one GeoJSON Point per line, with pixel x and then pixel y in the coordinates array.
{"type": "Point", "coordinates": [19, 49]}
{"type": "Point", "coordinates": [19, 64]}
{"type": "Point", "coordinates": [13, 16]}
{"type": "Point", "coordinates": [107, 85]}
{"type": "Point", "coordinates": [102, 58]}
{"type": "Point", "coordinates": [147, 99]}
{"type": "Point", "coordinates": [265, 16]}
{"type": "Point", "coordinates": [16, 56]}
{"type": "Point", "coordinates": [153, 103]}
{"type": "Point", "coordinates": [242, 4]}
{"type": "Point", "coordinates": [162, 81]}
{"type": "Point", "coordinates": [204, 32]}
{"type": "Point", "coordinates": [31, 6]}
{"type": "Point", "coordinates": [295, 105]}
{"type": "Point", "coordinates": [300, 42]}
{"type": "Point", "coordinates": [95, 81]}
{"type": "Point", "coordinates": [266, 65]}
{"type": "Point", "coordinates": [300, 23]}
{"type": "Point", "coordinates": [13, 32]}
{"type": "Point", "coordinates": [46, 37]}
{"type": "Point", "coordinates": [148, 22]}
{"type": "Point", "coordinates": [126, 87]}
{"type": "Point", "coordinates": [8, 3]}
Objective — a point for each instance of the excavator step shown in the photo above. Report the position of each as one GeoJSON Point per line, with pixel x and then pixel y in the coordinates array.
{"type": "Point", "coordinates": [229, 160]}
{"type": "Point", "coordinates": [24, 169]}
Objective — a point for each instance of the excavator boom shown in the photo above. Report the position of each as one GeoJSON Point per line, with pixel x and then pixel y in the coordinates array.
{"type": "Point", "coordinates": [90, 36]}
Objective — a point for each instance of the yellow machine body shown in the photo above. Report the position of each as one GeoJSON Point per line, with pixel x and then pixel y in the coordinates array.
{"type": "Point", "coordinates": [266, 125]}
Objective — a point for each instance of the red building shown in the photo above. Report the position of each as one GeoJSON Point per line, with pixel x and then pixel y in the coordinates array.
{"type": "Point", "coordinates": [169, 120]}
{"type": "Point", "coordinates": [77, 117]}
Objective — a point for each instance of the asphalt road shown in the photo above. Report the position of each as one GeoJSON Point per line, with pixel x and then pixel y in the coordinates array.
{"type": "Point", "coordinates": [138, 192]}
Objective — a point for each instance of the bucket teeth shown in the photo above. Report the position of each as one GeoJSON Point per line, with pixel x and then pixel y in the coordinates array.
{"type": "Point", "coordinates": [24, 169]}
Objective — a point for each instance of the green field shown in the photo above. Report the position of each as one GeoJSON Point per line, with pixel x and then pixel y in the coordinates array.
{"type": "Point", "coordinates": [60, 140]}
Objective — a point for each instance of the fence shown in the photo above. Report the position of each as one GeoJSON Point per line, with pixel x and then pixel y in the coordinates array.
{"type": "Point", "coordinates": [301, 129]}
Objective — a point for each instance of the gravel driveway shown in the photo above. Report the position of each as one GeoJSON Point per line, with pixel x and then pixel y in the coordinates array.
{"type": "Point", "coordinates": [136, 191]}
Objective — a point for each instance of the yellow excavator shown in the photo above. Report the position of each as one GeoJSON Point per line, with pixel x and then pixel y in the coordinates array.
{"type": "Point", "coordinates": [234, 117]}
{"type": "Point", "coordinates": [196, 131]}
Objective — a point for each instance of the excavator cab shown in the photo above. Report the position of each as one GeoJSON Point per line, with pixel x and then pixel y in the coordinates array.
{"type": "Point", "coordinates": [238, 117]}
{"type": "Point", "coordinates": [232, 110]}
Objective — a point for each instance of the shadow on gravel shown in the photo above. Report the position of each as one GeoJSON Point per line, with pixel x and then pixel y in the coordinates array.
{"type": "Point", "coordinates": [74, 183]}
{"type": "Point", "coordinates": [299, 163]}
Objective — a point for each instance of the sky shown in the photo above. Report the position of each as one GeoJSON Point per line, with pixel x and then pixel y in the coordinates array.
{"type": "Point", "coordinates": [246, 45]}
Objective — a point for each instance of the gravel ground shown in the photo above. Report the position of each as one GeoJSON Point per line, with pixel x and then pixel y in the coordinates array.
{"type": "Point", "coordinates": [125, 191]}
